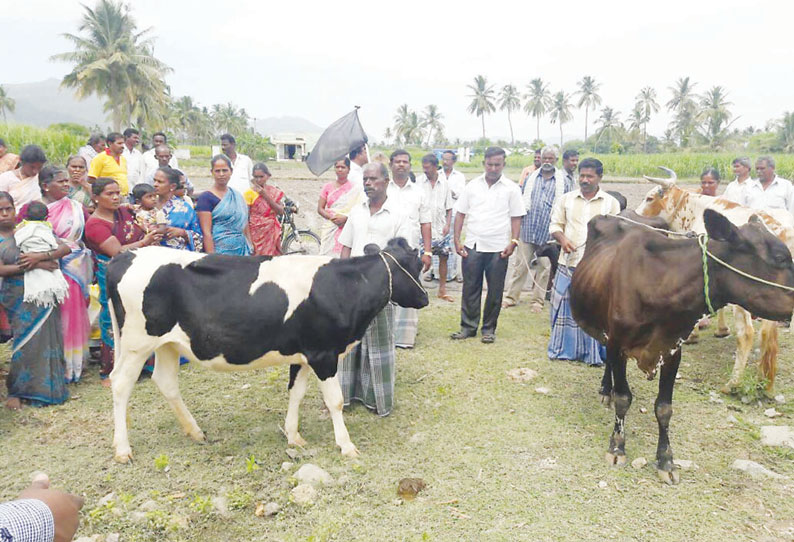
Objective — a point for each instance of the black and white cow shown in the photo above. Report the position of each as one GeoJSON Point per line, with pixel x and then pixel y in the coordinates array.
{"type": "Point", "coordinates": [233, 313]}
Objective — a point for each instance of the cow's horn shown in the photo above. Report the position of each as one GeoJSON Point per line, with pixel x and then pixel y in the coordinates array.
{"type": "Point", "coordinates": [666, 183]}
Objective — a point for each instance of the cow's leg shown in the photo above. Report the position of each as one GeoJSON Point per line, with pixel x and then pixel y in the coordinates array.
{"type": "Point", "coordinates": [769, 350]}
{"type": "Point", "coordinates": [743, 322]}
{"type": "Point", "coordinates": [332, 395]}
{"type": "Point", "coordinates": [298, 379]}
{"type": "Point", "coordinates": [166, 377]}
{"type": "Point", "coordinates": [621, 395]}
{"type": "Point", "coordinates": [664, 411]}
{"type": "Point", "coordinates": [126, 368]}
{"type": "Point", "coordinates": [606, 386]}
{"type": "Point", "coordinates": [722, 326]}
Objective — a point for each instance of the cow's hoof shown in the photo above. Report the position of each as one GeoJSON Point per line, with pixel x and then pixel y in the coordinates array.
{"type": "Point", "coordinates": [123, 457]}
{"type": "Point", "coordinates": [722, 333]}
{"type": "Point", "coordinates": [198, 436]}
{"type": "Point", "coordinates": [671, 478]}
{"type": "Point", "coordinates": [350, 451]}
{"type": "Point", "coordinates": [616, 459]}
{"type": "Point", "coordinates": [606, 400]}
{"type": "Point", "coordinates": [730, 388]}
{"type": "Point", "coordinates": [297, 440]}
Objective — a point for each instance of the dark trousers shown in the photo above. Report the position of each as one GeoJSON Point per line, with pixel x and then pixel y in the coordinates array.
{"type": "Point", "coordinates": [475, 265]}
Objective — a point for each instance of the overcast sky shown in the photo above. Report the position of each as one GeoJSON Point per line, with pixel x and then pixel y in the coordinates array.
{"type": "Point", "coordinates": [317, 59]}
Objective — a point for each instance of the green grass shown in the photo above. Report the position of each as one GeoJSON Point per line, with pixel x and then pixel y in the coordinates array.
{"type": "Point", "coordinates": [58, 145]}
{"type": "Point", "coordinates": [501, 462]}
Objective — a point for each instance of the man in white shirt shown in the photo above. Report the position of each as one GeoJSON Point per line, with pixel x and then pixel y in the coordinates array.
{"type": "Point", "coordinates": [494, 208]}
{"type": "Point", "coordinates": [366, 374]}
{"type": "Point", "coordinates": [134, 157]}
{"type": "Point", "coordinates": [95, 145]}
{"type": "Point", "coordinates": [242, 166]}
{"type": "Point", "coordinates": [568, 227]}
{"type": "Point", "coordinates": [457, 182]}
{"type": "Point", "coordinates": [438, 195]}
{"type": "Point", "coordinates": [358, 158]}
{"type": "Point", "coordinates": [736, 189]}
{"type": "Point", "coordinates": [769, 191]}
{"type": "Point", "coordinates": [410, 196]}
{"type": "Point", "coordinates": [150, 162]}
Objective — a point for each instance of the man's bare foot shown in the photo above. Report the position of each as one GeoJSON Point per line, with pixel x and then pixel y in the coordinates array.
{"type": "Point", "coordinates": [446, 297]}
{"type": "Point", "coordinates": [105, 382]}
{"type": "Point", "coordinates": [13, 403]}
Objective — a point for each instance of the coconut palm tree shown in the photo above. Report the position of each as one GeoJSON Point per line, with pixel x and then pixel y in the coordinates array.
{"type": "Point", "coordinates": [646, 100]}
{"type": "Point", "coordinates": [609, 125]}
{"type": "Point", "coordinates": [786, 131]}
{"type": "Point", "coordinates": [402, 121]}
{"type": "Point", "coordinates": [431, 120]}
{"type": "Point", "coordinates": [482, 99]}
{"type": "Point", "coordinates": [387, 135]}
{"type": "Point", "coordinates": [510, 100]}
{"type": "Point", "coordinates": [538, 101]}
{"type": "Point", "coordinates": [588, 97]}
{"type": "Point", "coordinates": [560, 110]}
{"type": "Point", "coordinates": [683, 104]}
{"type": "Point", "coordinates": [7, 103]}
{"type": "Point", "coordinates": [715, 113]}
{"type": "Point", "coordinates": [112, 59]}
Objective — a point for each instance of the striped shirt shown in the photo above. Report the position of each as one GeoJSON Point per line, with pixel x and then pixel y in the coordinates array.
{"type": "Point", "coordinates": [535, 224]}
{"type": "Point", "coordinates": [570, 216]}
{"type": "Point", "coordinates": [26, 520]}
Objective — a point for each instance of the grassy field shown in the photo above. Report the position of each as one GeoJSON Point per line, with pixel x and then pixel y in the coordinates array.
{"type": "Point", "coordinates": [501, 461]}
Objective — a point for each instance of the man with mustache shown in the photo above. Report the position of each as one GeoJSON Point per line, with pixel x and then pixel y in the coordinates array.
{"type": "Point", "coordinates": [543, 187]}
{"type": "Point", "coordinates": [568, 227]}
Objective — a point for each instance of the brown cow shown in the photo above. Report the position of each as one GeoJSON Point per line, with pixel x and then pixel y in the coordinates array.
{"type": "Point", "coordinates": [640, 293]}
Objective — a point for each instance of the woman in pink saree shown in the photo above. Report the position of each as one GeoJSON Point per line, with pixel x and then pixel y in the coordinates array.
{"type": "Point", "coordinates": [337, 199]}
{"type": "Point", "coordinates": [68, 217]}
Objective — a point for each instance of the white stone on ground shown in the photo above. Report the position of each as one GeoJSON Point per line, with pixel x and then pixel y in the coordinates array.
{"type": "Point", "coordinates": [771, 413]}
{"type": "Point", "coordinates": [314, 475]}
{"type": "Point", "coordinates": [286, 466]}
{"type": "Point", "coordinates": [303, 495]}
{"type": "Point", "coordinates": [639, 463]}
{"type": "Point", "coordinates": [542, 390]}
{"type": "Point", "coordinates": [755, 470]}
{"type": "Point", "coordinates": [521, 374]}
{"type": "Point", "coordinates": [777, 435]}
{"type": "Point", "coordinates": [684, 464]}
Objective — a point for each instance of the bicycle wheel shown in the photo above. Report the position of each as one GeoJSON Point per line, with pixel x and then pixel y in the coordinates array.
{"type": "Point", "coordinates": [301, 242]}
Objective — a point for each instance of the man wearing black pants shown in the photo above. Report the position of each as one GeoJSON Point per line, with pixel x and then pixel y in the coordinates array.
{"type": "Point", "coordinates": [494, 207]}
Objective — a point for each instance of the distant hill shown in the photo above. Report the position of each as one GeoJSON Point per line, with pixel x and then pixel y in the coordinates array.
{"type": "Point", "coordinates": [44, 103]}
{"type": "Point", "coordinates": [289, 125]}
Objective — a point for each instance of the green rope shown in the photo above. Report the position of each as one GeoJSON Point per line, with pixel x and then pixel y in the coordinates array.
{"type": "Point", "coordinates": [703, 241]}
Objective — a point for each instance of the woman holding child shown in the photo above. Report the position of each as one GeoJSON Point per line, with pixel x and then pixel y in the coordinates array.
{"type": "Point", "coordinates": [110, 230]}
{"type": "Point", "coordinates": [37, 365]}
{"type": "Point", "coordinates": [183, 231]}
{"type": "Point", "coordinates": [68, 219]}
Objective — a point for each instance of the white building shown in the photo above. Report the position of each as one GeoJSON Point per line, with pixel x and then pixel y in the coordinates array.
{"type": "Point", "coordinates": [289, 147]}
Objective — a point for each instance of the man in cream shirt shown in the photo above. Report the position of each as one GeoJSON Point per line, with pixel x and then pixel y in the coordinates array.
{"type": "Point", "coordinates": [769, 191]}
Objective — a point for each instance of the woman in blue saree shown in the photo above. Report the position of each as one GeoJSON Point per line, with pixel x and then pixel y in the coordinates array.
{"type": "Point", "coordinates": [223, 213]}
{"type": "Point", "coordinates": [37, 367]}
{"type": "Point", "coordinates": [183, 231]}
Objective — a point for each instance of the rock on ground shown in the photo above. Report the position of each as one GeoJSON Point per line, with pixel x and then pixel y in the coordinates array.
{"type": "Point", "coordinates": [303, 495]}
{"type": "Point", "coordinates": [521, 374]}
{"type": "Point", "coordinates": [777, 435]}
{"type": "Point", "coordinates": [639, 463]}
{"type": "Point", "coordinates": [755, 470]}
{"type": "Point", "coordinates": [286, 466]}
{"type": "Point", "coordinates": [313, 475]}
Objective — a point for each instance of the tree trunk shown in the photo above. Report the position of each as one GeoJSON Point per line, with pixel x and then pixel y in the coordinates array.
{"type": "Point", "coordinates": [561, 136]}
{"type": "Point", "coordinates": [537, 135]}
{"type": "Point", "coordinates": [645, 138]}
{"type": "Point", "coordinates": [483, 125]}
{"type": "Point", "coordinates": [586, 107]}
{"type": "Point", "coordinates": [510, 122]}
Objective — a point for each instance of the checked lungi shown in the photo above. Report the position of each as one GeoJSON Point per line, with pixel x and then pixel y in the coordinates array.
{"type": "Point", "coordinates": [367, 373]}
{"type": "Point", "coordinates": [568, 341]}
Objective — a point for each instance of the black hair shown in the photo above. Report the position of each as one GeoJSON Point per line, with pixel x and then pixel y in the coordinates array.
{"type": "Point", "coordinates": [99, 184]}
{"type": "Point", "coordinates": [113, 136]}
{"type": "Point", "coordinates": [6, 195]}
{"type": "Point", "coordinates": [453, 153]}
{"type": "Point", "coordinates": [569, 153]}
{"type": "Point", "coordinates": [494, 151]}
{"type": "Point", "coordinates": [160, 134]}
{"type": "Point", "coordinates": [221, 157]}
{"type": "Point", "coordinates": [48, 174]}
{"type": "Point", "coordinates": [399, 152]}
{"type": "Point", "coordinates": [382, 169]}
{"type": "Point", "coordinates": [131, 131]}
{"type": "Point", "coordinates": [37, 211]}
{"type": "Point", "coordinates": [346, 160]}
{"type": "Point", "coordinates": [32, 154]}
{"type": "Point", "coordinates": [260, 166]}
{"type": "Point", "coordinates": [95, 138]}
{"type": "Point", "coordinates": [592, 163]}
{"type": "Point", "coordinates": [171, 174]}
{"type": "Point", "coordinates": [181, 174]}
{"type": "Point", "coordinates": [140, 190]}
{"type": "Point", "coordinates": [3, 143]}
{"type": "Point", "coordinates": [229, 138]}
{"type": "Point", "coordinates": [711, 171]}
{"type": "Point", "coordinates": [430, 158]}
{"type": "Point", "coordinates": [355, 152]}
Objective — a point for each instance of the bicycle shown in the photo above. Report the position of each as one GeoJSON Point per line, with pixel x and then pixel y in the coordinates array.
{"type": "Point", "coordinates": [293, 239]}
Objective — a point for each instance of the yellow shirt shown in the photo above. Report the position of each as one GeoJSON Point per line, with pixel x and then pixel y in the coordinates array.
{"type": "Point", "coordinates": [104, 165]}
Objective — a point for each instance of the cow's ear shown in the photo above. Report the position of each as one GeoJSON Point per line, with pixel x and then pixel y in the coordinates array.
{"type": "Point", "coordinates": [755, 220]}
{"type": "Point", "coordinates": [371, 248]}
{"type": "Point", "coordinates": [719, 227]}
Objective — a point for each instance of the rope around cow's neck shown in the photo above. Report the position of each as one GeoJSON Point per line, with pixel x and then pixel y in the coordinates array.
{"type": "Point", "coordinates": [410, 276]}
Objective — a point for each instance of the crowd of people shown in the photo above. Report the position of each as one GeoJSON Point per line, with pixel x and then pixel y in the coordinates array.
{"type": "Point", "coordinates": [60, 227]}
